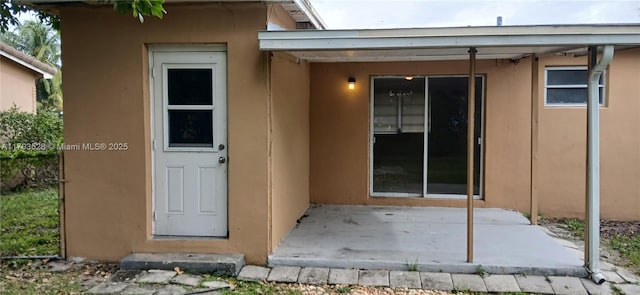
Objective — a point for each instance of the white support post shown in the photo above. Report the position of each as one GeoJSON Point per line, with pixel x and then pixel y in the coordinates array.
{"type": "Point", "coordinates": [593, 159]}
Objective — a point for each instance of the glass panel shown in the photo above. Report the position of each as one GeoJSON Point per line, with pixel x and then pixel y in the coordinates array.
{"type": "Point", "coordinates": [566, 77]}
{"type": "Point", "coordinates": [190, 86]}
{"type": "Point", "coordinates": [566, 95]}
{"type": "Point", "coordinates": [190, 128]}
{"type": "Point", "coordinates": [398, 149]}
{"type": "Point", "coordinates": [447, 140]}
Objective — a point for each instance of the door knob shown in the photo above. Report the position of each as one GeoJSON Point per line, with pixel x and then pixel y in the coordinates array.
{"type": "Point", "coordinates": [221, 160]}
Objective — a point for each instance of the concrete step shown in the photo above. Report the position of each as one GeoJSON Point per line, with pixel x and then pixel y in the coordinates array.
{"type": "Point", "coordinates": [219, 264]}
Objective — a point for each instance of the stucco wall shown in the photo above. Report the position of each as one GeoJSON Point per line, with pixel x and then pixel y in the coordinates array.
{"type": "Point", "coordinates": [290, 143]}
{"type": "Point", "coordinates": [108, 194]}
{"type": "Point", "coordinates": [17, 86]}
{"type": "Point", "coordinates": [340, 132]}
{"type": "Point", "coordinates": [562, 152]}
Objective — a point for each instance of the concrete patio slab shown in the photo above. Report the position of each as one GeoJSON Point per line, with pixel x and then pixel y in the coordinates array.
{"type": "Point", "coordinates": [501, 283]}
{"type": "Point", "coordinates": [388, 237]}
{"type": "Point", "coordinates": [284, 274]}
{"type": "Point", "coordinates": [404, 279]}
{"type": "Point", "coordinates": [221, 264]}
{"type": "Point", "coordinates": [468, 282]}
{"type": "Point", "coordinates": [137, 290]}
{"type": "Point", "coordinates": [613, 276]}
{"type": "Point", "coordinates": [567, 286]}
{"type": "Point", "coordinates": [339, 276]}
{"type": "Point", "coordinates": [595, 289]}
{"type": "Point", "coordinates": [628, 276]}
{"type": "Point", "coordinates": [436, 281]}
{"type": "Point", "coordinates": [313, 276]}
{"type": "Point", "coordinates": [156, 276]}
{"type": "Point", "coordinates": [187, 280]}
{"type": "Point", "coordinates": [534, 284]}
{"type": "Point", "coordinates": [254, 273]}
{"type": "Point", "coordinates": [629, 289]}
{"type": "Point", "coordinates": [378, 278]}
{"type": "Point", "coordinates": [171, 290]}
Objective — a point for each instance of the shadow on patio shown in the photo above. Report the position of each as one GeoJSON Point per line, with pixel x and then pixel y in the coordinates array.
{"type": "Point", "coordinates": [430, 238]}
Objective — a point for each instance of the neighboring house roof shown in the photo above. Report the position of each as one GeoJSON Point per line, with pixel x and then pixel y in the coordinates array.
{"type": "Point", "coordinates": [503, 42]}
{"type": "Point", "coordinates": [300, 10]}
{"type": "Point", "coordinates": [27, 61]}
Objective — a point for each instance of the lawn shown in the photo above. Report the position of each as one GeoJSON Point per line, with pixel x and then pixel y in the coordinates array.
{"type": "Point", "coordinates": [29, 223]}
{"type": "Point", "coordinates": [622, 236]}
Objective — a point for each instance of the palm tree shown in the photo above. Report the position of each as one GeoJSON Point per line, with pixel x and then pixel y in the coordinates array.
{"type": "Point", "coordinates": [42, 42]}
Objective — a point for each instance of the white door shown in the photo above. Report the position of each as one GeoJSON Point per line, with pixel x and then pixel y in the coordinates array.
{"type": "Point", "coordinates": [189, 143]}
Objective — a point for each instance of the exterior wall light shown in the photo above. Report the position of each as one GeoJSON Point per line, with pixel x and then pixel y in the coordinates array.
{"type": "Point", "coordinates": [352, 83]}
{"type": "Point", "coordinates": [408, 78]}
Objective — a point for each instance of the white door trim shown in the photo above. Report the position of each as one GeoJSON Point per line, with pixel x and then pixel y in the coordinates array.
{"type": "Point", "coordinates": [155, 146]}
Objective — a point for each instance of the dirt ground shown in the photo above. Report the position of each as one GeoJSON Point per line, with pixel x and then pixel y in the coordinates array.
{"type": "Point", "coordinates": [608, 230]}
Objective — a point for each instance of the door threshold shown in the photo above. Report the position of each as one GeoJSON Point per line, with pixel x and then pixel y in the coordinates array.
{"type": "Point", "coordinates": [169, 237]}
{"type": "Point", "coordinates": [419, 196]}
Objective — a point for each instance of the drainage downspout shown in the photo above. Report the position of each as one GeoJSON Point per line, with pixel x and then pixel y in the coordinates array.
{"type": "Point", "coordinates": [593, 159]}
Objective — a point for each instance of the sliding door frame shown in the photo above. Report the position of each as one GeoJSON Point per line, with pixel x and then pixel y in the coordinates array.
{"type": "Point", "coordinates": [427, 119]}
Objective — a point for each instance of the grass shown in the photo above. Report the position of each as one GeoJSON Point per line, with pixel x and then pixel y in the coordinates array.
{"type": "Point", "coordinates": [576, 226]}
{"type": "Point", "coordinates": [629, 248]}
{"type": "Point", "coordinates": [29, 223]}
{"type": "Point", "coordinates": [256, 288]}
{"type": "Point", "coordinates": [23, 280]}
{"type": "Point", "coordinates": [412, 266]}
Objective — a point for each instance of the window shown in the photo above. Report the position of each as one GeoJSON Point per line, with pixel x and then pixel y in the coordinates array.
{"type": "Point", "coordinates": [567, 86]}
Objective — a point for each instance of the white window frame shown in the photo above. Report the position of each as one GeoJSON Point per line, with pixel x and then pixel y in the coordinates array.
{"type": "Point", "coordinates": [576, 86]}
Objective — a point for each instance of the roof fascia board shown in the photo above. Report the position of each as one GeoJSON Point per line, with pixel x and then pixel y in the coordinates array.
{"type": "Point", "coordinates": [45, 75]}
{"type": "Point", "coordinates": [311, 13]}
{"type": "Point", "coordinates": [449, 37]}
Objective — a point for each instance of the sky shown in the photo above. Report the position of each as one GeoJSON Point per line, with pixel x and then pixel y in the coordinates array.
{"type": "Point", "coordinates": [369, 14]}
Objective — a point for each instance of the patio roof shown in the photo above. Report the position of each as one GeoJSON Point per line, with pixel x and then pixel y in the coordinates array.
{"type": "Point", "coordinates": [504, 42]}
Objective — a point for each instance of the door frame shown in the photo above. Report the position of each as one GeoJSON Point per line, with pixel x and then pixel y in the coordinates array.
{"type": "Point", "coordinates": [183, 48]}
{"type": "Point", "coordinates": [427, 105]}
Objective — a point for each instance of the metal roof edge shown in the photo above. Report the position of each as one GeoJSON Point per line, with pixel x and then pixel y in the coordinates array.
{"type": "Point", "coordinates": [566, 35]}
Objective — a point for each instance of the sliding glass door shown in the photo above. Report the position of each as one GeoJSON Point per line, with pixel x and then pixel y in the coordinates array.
{"type": "Point", "coordinates": [419, 136]}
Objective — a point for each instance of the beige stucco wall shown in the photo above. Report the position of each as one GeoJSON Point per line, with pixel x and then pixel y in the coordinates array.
{"type": "Point", "coordinates": [290, 143]}
{"type": "Point", "coordinates": [562, 151]}
{"type": "Point", "coordinates": [17, 86]}
{"type": "Point", "coordinates": [108, 194]}
{"type": "Point", "coordinates": [340, 132]}
{"type": "Point", "coordinates": [289, 136]}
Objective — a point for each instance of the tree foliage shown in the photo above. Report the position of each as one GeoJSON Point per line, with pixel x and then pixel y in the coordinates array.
{"type": "Point", "coordinates": [42, 42]}
{"type": "Point", "coordinates": [10, 9]}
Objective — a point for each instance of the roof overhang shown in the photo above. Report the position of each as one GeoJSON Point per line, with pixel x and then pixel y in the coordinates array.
{"type": "Point", "coordinates": [445, 43]}
{"type": "Point", "coordinates": [27, 61]}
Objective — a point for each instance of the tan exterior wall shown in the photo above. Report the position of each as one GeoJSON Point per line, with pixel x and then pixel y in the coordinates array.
{"type": "Point", "coordinates": [279, 16]}
{"type": "Point", "coordinates": [17, 86]}
{"type": "Point", "coordinates": [562, 151]}
{"type": "Point", "coordinates": [108, 194]}
{"type": "Point", "coordinates": [340, 132]}
{"type": "Point", "coordinates": [289, 144]}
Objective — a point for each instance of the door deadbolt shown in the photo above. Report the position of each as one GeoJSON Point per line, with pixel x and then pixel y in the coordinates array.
{"type": "Point", "coordinates": [221, 147]}
{"type": "Point", "coordinates": [221, 160]}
